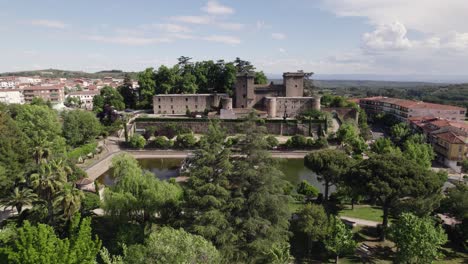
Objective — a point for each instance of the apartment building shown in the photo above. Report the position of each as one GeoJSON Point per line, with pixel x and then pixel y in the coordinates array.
{"type": "Point", "coordinates": [86, 98]}
{"type": "Point", "coordinates": [11, 96]}
{"type": "Point", "coordinates": [403, 109]}
{"type": "Point", "coordinates": [448, 138]}
{"type": "Point", "coordinates": [52, 93]}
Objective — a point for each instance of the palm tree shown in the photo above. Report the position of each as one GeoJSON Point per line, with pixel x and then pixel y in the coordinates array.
{"type": "Point", "coordinates": [69, 199]}
{"type": "Point", "coordinates": [19, 198]}
{"type": "Point", "coordinates": [49, 180]}
{"type": "Point", "coordinates": [42, 151]}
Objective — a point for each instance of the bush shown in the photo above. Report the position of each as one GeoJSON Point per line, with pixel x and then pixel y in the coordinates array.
{"type": "Point", "coordinates": [162, 142]}
{"type": "Point", "coordinates": [172, 129]}
{"type": "Point", "coordinates": [82, 151]}
{"type": "Point", "coordinates": [321, 143]}
{"type": "Point", "coordinates": [272, 142]}
{"type": "Point", "coordinates": [137, 141]}
{"type": "Point", "coordinates": [149, 132]}
{"type": "Point", "coordinates": [308, 190]}
{"type": "Point", "coordinates": [232, 141]}
{"type": "Point", "coordinates": [90, 202]}
{"type": "Point", "coordinates": [297, 141]}
{"type": "Point", "coordinates": [185, 141]}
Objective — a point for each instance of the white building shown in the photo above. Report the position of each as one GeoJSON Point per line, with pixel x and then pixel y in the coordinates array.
{"type": "Point", "coordinates": [86, 98]}
{"type": "Point", "coordinates": [9, 96]}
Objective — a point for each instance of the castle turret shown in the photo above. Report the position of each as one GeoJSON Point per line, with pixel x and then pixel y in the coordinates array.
{"type": "Point", "coordinates": [316, 102]}
{"type": "Point", "coordinates": [226, 103]}
{"type": "Point", "coordinates": [244, 94]}
{"type": "Point", "coordinates": [271, 106]}
{"type": "Point", "coordinates": [293, 84]}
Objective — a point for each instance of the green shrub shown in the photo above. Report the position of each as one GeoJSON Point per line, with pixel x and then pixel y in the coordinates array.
{"type": "Point", "coordinates": [90, 202]}
{"type": "Point", "coordinates": [137, 141]}
{"type": "Point", "coordinates": [308, 190]}
{"type": "Point", "coordinates": [232, 141]}
{"type": "Point", "coordinates": [82, 151]}
{"type": "Point", "coordinates": [272, 142]}
{"type": "Point", "coordinates": [321, 143]}
{"type": "Point", "coordinates": [162, 142]}
{"type": "Point", "coordinates": [297, 141]}
{"type": "Point", "coordinates": [185, 141]}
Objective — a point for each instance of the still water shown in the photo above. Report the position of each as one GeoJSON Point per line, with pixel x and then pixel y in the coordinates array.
{"type": "Point", "coordinates": [293, 169]}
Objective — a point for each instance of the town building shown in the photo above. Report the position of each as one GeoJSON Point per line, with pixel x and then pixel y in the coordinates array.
{"type": "Point", "coordinates": [86, 98]}
{"type": "Point", "coordinates": [11, 96]}
{"type": "Point", "coordinates": [403, 109]}
{"type": "Point", "coordinates": [273, 100]}
{"type": "Point", "coordinates": [52, 93]}
{"type": "Point", "coordinates": [448, 138]}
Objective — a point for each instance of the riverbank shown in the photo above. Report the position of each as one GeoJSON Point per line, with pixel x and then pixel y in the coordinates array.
{"type": "Point", "coordinates": [102, 165]}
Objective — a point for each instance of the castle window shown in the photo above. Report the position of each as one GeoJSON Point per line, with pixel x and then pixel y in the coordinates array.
{"type": "Point", "coordinates": [242, 106]}
{"type": "Point", "coordinates": [173, 111]}
{"type": "Point", "coordinates": [159, 106]}
{"type": "Point", "coordinates": [296, 85]}
{"type": "Point", "coordinates": [159, 99]}
{"type": "Point", "coordinates": [172, 107]}
{"type": "Point", "coordinates": [186, 99]}
{"type": "Point", "coordinates": [186, 106]}
{"type": "Point", "coordinates": [196, 106]}
{"type": "Point", "coordinates": [172, 99]}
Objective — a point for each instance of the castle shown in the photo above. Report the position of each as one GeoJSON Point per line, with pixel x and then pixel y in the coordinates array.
{"type": "Point", "coordinates": [270, 100]}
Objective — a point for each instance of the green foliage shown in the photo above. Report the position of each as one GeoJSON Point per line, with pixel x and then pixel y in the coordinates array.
{"type": "Point", "coordinates": [90, 202]}
{"type": "Point", "coordinates": [260, 78]}
{"type": "Point", "coordinates": [297, 141]}
{"type": "Point", "coordinates": [347, 132]}
{"type": "Point", "coordinates": [272, 142]}
{"type": "Point", "coordinates": [456, 201]}
{"type": "Point", "coordinates": [307, 189]}
{"type": "Point", "coordinates": [312, 221]}
{"type": "Point", "coordinates": [399, 133]}
{"type": "Point", "coordinates": [82, 151]}
{"type": "Point", "coordinates": [390, 177]}
{"type": "Point", "coordinates": [147, 87]}
{"type": "Point", "coordinates": [137, 141]}
{"type": "Point", "coordinates": [162, 142]}
{"type": "Point", "coordinates": [185, 141]}
{"type": "Point", "coordinates": [80, 127]}
{"type": "Point", "coordinates": [422, 153]}
{"type": "Point", "coordinates": [19, 198]}
{"type": "Point", "coordinates": [169, 245]}
{"type": "Point", "coordinates": [40, 244]}
{"type": "Point", "coordinates": [464, 166]}
{"type": "Point", "coordinates": [330, 165]}
{"type": "Point", "coordinates": [108, 96]}
{"type": "Point", "coordinates": [417, 239]}
{"type": "Point", "coordinates": [73, 102]}
{"type": "Point", "coordinates": [384, 145]}
{"type": "Point", "coordinates": [128, 94]}
{"type": "Point", "coordinates": [340, 239]}
{"type": "Point", "coordinates": [137, 195]}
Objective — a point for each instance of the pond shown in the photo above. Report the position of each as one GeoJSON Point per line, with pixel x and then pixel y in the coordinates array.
{"type": "Point", "coordinates": [166, 168]}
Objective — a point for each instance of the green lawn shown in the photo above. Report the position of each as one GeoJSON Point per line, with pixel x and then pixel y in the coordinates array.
{"type": "Point", "coordinates": [366, 212]}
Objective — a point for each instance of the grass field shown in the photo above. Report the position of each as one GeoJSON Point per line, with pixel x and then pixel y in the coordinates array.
{"type": "Point", "coordinates": [366, 212]}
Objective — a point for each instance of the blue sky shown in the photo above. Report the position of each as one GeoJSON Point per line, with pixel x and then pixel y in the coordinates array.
{"type": "Point", "coordinates": [417, 37]}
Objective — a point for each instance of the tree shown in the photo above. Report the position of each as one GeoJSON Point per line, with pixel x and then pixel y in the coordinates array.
{"type": "Point", "coordinates": [108, 97]}
{"type": "Point", "coordinates": [310, 115]}
{"type": "Point", "coordinates": [272, 142]}
{"type": "Point", "coordinates": [146, 81]}
{"type": "Point", "coordinates": [19, 198]}
{"type": "Point", "coordinates": [137, 141]}
{"type": "Point", "coordinates": [330, 165]}
{"type": "Point", "coordinates": [185, 141]}
{"type": "Point", "coordinates": [308, 190]}
{"type": "Point", "coordinates": [137, 195]}
{"type": "Point", "coordinates": [80, 127]}
{"type": "Point", "coordinates": [128, 94]}
{"type": "Point", "coordinates": [169, 245]}
{"type": "Point", "coordinates": [41, 127]}
{"type": "Point", "coordinates": [69, 200]}
{"type": "Point", "coordinates": [260, 78]}
{"type": "Point", "coordinates": [340, 240]}
{"type": "Point", "coordinates": [243, 66]}
{"type": "Point", "coordinates": [384, 145]}
{"type": "Point", "coordinates": [40, 244]}
{"type": "Point", "coordinates": [465, 166]}
{"type": "Point", "coordinates": [456, 201]}
{"type": "Point", "coordinates": [399, 133]}
{"type": "Point", "coordinates": [260, 204]}
{"type": "Point", "coordinates": [313, 222]}
{"type": "Point", "coordinates": [207, 194]}
{"type": "Point", "coordinates": [417, 239]}
{"type": "Point", "coordinates": [389, 178]}
{"type": "Point", "coordinates": [422, 153]}
{"type": "Point", "coordinates": [73, 102]}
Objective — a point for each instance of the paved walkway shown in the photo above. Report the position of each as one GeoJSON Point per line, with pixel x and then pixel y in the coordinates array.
{"type": "Point", "coordinates": [360, 222]}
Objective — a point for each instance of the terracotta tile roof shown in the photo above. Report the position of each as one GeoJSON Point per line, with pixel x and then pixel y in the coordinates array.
{"type": "Point", "coordinates": [451, 137]}
{"type": "Point", "coordinates": [50, 87]}
{"type": "Point", "coordinates": [412, 104]}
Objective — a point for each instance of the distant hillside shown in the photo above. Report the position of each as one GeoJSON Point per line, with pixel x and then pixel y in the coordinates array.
{"type": "Point", "coordinates": [53, 73]}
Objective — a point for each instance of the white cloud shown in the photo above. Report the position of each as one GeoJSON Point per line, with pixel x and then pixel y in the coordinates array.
{"type": "Point", "coordinates": [231, 26]}
{"type": "Point", "coordinates": [223, 39]}
{"type": "Point", "coordinates": [168, 27]}
{"type": "Point", "coordinates": [213, 7]}
{"type": "Point", "coordinates": [282, 50]}
{"type": "Point", "coordinates": [430, 16]}
{"type": "Point", "coordinates": [201, 20]}
{"type": "Point", "coordinates": [260, 25]}
{"type": "Point", "coordinates": [387, 37]}
{"type": "Point", "coordinates": [278, 36]}
{"type": "Point", "coordinates": [129, 40]}
{"type": "Point", "coordinates": [457, 41]}
{"type": "Point", "coordinates": [49, 23]}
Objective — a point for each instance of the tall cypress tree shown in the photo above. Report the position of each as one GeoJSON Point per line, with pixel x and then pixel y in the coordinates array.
{"type": "Point", "coordinates": [260, 213]}
{"type": "Point", "coordinates": [207, 206]}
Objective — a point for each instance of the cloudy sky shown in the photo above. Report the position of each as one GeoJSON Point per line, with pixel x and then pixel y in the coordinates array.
{"type": "Point", "coordinates": [406, 37]}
